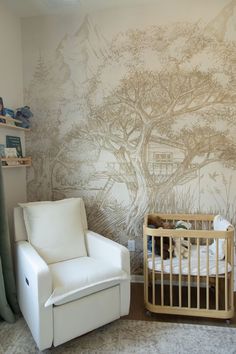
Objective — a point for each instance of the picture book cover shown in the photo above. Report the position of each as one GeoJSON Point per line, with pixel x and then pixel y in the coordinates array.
{"type": "Point", "coordinates": [14, 142]}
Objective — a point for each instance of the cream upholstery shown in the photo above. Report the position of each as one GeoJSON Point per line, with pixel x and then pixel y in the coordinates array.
{"type": "Point", "coordinates": [54, 229]}
{"type": "Point", "coordinates": [65, 299]}
{"type": "Point", "coordinates": [80, 277]}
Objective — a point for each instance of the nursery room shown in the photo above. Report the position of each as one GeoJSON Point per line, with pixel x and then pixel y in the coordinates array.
{"type": "Point", "coordinates": [117, 176]}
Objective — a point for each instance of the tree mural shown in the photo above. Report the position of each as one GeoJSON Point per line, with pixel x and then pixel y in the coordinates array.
{"type": "Point", "coordinates": [158, 103]}
{"type": "Point", "coordinates": [193, 80]}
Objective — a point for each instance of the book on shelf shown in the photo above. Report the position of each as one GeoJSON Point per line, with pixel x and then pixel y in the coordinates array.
{"type": "Point", "coordinates": [14, 142]}
{"type": "Point", "coordinates": [2, 150]}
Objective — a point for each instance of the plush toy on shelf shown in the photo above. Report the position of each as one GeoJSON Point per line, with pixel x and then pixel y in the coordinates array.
{"type": "Point", "coordinates": [24, 114]}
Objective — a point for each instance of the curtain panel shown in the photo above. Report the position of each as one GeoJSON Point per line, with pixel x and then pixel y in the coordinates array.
{"type": "Point", "coordinates": [8, 300]}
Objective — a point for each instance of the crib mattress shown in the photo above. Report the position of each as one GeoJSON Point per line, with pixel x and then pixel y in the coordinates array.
{"type": "Point", "coordinates": [213, 264]}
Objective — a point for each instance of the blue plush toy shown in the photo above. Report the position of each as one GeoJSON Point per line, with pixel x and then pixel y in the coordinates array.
{"type": "Point", "coordinates": [24, 114]}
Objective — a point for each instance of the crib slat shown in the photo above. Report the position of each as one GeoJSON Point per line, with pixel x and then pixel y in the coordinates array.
{"type": "Point", "coordinates": [180, 275]}
{"type": "Point", "coordinates": [153, 271]}
{"type": "Point", "coordinates": [162, 285]}
{"type": "Point", "coordinates": [171, 287]}
{"type": "Point", "coordinates": [207, 277]}
{"type": "Point", "coordinates": [232, 273]}
{"type": "Point", "coordinates": [198, 274]}
{"type": "Point", "coordinates": [189, 274]}
{"type": "Point", "coordinates": [226, 275]}
{"type": "Point", "coordinates": [195, 228]}
{"type": "Point", "coordinates": [146, 281]}
{"type": "Point", "coordinates": [217, 278]}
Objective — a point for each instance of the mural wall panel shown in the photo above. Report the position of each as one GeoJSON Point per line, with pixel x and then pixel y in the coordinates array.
{"type": "Point", "coordinates": [134, 118]}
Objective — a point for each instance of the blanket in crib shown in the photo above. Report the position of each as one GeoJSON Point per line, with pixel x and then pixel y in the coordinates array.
{"type": "Point", "coordinates": [215, 266]}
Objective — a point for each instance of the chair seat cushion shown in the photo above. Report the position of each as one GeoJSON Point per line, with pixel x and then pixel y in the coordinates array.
{"type": "Point", "coordinates": [79, 277]}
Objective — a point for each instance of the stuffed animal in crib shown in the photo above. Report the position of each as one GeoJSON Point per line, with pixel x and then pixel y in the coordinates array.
{"type": "Point", "coordinates": [181, 246]}
{"type": "Point", "coordinates": [157, 223]}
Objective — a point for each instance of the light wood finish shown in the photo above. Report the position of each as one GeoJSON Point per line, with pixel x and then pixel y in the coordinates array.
{"type": "Point", "coordinates": [203, 234]}
{"type": "Point", "coordinates": [162, 280]}
{"type": "Point", "coordinates": [198, 274]}
{"type": "Point", "coordinates": [19, 162]}
{"type": "Point", "coordinates": [231, 293]}
{"type": "Point", "coordinates": [217, 303]}
{"type": "Point", "coordinates": [10, 120]}
{"type": "Point", "coordinates": [145, 238]}
{"type": "Point", "coordinates": [175, 310]}
{"type": "Point", "coordinates": [189, 277]}
{"type": "Point", "coordinates": [180, 276]}
{"type": "Point", "coordinates": [153, 272]}
{"type": "Point", "coordinates": [186, 217]}
{"type": "Point", "coordinates": [171, 288]}
{"type": "Point", "coordinates": [138, 311]}
{"type": "Point", "coordinates": [217, 278]}
{"type": "Point", "coordinates": [207, 278]}
{"type": "Point", "coordinates": [226, 279]}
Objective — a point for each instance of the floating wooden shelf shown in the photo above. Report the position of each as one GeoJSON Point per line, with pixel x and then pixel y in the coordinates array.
{"type": "Point", "coordinates": [8, 124]}
{"type": "Point", "coordinates": [10, 119]}
{"type": "Point", "coordinates": [16, 162]}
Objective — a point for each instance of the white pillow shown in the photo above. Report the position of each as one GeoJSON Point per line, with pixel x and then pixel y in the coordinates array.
{"type": "Point", "coordinates": [219, 224]}
{"type": "Point", "coordinates": [55, 229]}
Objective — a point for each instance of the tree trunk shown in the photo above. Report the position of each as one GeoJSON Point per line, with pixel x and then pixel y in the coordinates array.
{"type": "Point", "coordinates": [139, 205]}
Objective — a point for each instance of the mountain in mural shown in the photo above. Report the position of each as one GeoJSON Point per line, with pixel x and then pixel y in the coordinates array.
{"type": "Point", "coordinates": [223, 26]}
{"type": "Point", "coordinates": [92, 43]}
{"type": "Point", "coordinates": [83, 51]}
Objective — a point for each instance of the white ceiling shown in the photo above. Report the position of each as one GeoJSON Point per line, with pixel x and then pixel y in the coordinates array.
{"type": "Point", "coordinates": [27, 8]}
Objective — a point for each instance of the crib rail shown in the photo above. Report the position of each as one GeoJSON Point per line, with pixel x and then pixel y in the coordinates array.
{"type": "Point", "coordinates": [203, 283]}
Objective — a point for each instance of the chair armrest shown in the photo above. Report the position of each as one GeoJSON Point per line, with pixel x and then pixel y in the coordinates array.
{"type": "Point", "coordinates": [34, 287]}
{"type": "Point", "coordinates": [35, 269]}
{"type": "Point", "coordinates": [102, 248]}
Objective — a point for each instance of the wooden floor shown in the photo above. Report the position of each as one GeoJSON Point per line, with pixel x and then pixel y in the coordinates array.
{"type": "Point", "coordinates": [138, 312]}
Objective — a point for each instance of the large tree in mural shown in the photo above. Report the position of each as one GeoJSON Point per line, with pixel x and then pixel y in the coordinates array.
{"type": "Point", "coordinates": [171, 86]}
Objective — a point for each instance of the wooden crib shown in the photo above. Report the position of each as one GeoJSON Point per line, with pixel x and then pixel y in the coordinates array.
{"type": "Point", "coordinates": [200, 284]}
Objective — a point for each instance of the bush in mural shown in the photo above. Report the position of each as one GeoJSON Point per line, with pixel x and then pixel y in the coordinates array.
{"type": "Point", "coordinates": [160, 102]}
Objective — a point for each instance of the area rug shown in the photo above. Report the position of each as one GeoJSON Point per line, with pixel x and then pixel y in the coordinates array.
{"type": "Point", "coordinates": [128, 336]}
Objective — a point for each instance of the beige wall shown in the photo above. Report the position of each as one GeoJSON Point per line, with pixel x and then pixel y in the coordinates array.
{"type": "Point", "coordinates": [11, 84]}
{"type": "Point", "coordinates": [11, 89]}
{"type": "Point", "coordinates": [134, 111]}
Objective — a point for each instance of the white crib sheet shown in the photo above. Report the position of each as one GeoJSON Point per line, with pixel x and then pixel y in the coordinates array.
{"type": "Point", "coordinates": [193, 263]}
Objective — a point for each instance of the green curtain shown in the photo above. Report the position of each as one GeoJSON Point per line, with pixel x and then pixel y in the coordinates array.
{"type": "Point", "coordinates": [8, 300]}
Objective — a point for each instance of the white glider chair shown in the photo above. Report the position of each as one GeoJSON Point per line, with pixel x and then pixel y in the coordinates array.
{"type": "Point", "coordinates": [69, 280]}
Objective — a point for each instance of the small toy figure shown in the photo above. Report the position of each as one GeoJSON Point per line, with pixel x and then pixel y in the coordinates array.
{"type": "Point", "coordinates": [155, 222]}
{"type": "Point", "coordinates": [181, 248]}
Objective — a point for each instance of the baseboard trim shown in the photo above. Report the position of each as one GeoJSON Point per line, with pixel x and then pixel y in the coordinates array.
{"type": "Point", "coordinates": [135, 278]}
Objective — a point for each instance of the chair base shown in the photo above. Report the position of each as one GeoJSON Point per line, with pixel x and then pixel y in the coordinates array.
{"type": "Point", "coordinates": [84, 315]}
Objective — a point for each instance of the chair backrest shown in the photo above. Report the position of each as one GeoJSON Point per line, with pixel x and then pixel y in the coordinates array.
{"type": "Point", "coordinates": [20, 233]}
